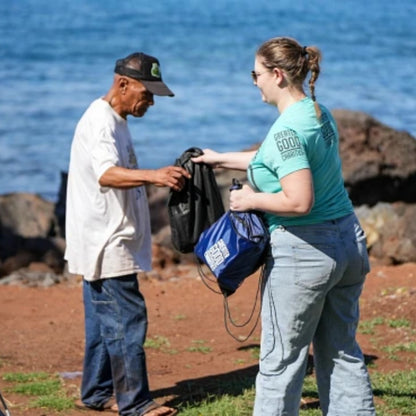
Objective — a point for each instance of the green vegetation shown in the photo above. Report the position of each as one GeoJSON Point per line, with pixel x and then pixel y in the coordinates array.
{"type": "Point", "coordinates": [399, 323]}
{"type": "Point", "coordinates": [255, 352]}
{"type": "Point", "coordinates": [157, 342]}
{"type": "Point", "coordinates": [161, 343]}
{"type": "Point", "coordinates": [368, 327]}
{"type": "Point", "coordinates": [180, 317]}
{"type": "Point", "coordinates": [395, 394]}
{"type": "Point", "coordinates": [47, 390]}
{"type": "Point", "coordinates": [396, 391]}
{"type": "Point", "coordinates": [25, 377]}
{"type": "Point", "coordinates": [199, 346]}
{"type": "Point", "coordinates": [392, 350]}
{"type": "Point", "coordinates": [404, 326]}
{"type": "Point", "coordinates": [221, 405]}
{"type": "Point", "coordinates": [38, 388]}
{"type": "Point", "coordinates": [57, 402]}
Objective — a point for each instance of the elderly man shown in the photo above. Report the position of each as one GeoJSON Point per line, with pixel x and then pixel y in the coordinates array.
{"type": "Point", "coordinates": [109, 240]}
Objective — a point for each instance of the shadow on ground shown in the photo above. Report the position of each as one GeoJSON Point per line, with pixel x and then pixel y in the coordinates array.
{"type": "Point", "coordinates": [195, 391]}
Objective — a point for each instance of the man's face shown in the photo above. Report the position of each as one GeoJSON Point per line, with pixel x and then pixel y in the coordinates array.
{"type": "Point", "coordinates": [137, 98]}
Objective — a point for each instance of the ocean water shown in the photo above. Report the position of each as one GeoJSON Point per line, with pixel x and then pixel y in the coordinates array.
{"type": "Point", "coordinates": [56, 57]}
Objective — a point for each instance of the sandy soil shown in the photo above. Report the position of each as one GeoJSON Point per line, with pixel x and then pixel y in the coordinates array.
{"type": "Point", "coordinates": [42, 330]}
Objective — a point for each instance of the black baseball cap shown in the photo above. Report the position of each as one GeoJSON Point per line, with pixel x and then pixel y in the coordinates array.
{"type": "Point", "coordinates": [146, 70]}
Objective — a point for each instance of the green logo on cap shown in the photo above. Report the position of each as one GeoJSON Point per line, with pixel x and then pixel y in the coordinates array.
{"type": "Point", "coordinates": [155, 71]}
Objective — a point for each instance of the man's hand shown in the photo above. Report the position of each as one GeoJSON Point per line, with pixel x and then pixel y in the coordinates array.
{"type": "Point", "coordinates": [118, 177]}
{"type": "Point", "coordinates": [172, 176]}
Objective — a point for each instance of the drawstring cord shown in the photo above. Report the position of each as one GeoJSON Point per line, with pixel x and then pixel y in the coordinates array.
{"type": "Point", "coordinates": [228, 320]}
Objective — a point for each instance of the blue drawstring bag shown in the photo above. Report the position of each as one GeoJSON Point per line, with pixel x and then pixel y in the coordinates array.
{"type": "Point", "coordinates": [233, 248]}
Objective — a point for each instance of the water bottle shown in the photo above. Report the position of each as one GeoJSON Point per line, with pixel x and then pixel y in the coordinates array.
{"type": "Point", "coordinates": [236, 185]}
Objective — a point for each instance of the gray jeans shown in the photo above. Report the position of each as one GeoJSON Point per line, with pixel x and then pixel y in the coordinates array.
{"type": "Point", "coordinates": [313, 281]}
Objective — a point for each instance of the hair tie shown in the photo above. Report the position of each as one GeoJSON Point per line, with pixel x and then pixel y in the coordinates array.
{"type": "Point", "coordinates": [304, 52]}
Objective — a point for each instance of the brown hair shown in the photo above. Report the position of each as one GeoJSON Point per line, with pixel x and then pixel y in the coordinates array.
{"type": "Point", "coordinates": [296, 61]}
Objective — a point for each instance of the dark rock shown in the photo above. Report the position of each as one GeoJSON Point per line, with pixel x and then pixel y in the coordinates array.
{"type": "Point", "coordinates": [27, 233]}
{"type": "Point", "coordinates": [26, 215]}
{"type": "Point", "coordinates": [21, 259]}
{"type": "Point", "coordinates": [379, 163]}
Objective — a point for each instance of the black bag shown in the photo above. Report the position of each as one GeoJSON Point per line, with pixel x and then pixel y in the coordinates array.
{"type": "Point", "coordinates": [196, 206]}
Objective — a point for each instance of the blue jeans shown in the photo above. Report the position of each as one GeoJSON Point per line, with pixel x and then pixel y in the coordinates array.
{"type": "Point", "coordinates": [313, 281]}
{"type": "Point", "coordinates": [115, 331]}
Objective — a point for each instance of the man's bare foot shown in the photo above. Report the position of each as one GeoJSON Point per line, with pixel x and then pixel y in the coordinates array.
{"type": "Point", "coordinates": [159, 410]}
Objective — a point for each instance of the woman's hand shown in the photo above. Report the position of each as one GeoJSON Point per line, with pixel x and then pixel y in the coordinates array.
{"type": "Point", "coordinates": [210, 157]}
{"type": "Point", "coordinates": [240, 199]}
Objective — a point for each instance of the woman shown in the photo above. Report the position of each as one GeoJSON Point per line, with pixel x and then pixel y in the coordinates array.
{"type": "Point", "coordinates": [318, 258]}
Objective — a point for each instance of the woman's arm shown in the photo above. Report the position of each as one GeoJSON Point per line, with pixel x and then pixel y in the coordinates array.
{"type": "Point", "coordinates": [228, 160]}
{"type": "Point", "coordinates": [295, 199]}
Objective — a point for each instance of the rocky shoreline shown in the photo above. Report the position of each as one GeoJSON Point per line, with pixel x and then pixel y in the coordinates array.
{"type": "Point", "coordinates": [379, 167]}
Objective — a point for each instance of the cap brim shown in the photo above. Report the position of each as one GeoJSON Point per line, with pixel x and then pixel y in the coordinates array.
{"type": "Point", "coordinates": [158, 88]}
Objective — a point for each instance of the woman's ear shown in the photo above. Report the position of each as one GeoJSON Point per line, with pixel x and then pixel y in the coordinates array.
{"type": "Point", "coordinates": [280, 75]}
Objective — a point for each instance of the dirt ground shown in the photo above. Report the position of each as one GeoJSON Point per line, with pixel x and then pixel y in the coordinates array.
{"type": "Point", "coordinates": [189, 352]}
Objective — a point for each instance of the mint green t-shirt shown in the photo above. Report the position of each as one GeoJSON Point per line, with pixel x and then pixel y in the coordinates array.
{"type": "Point", "coordinates": [297, 140]}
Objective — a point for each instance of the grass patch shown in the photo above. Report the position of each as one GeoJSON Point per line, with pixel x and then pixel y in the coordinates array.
{"type": "Point", "coordinates": [199, 346]}
{"type": "Point", "coordinates": [161, 343]}
{"type": "Point", "coordinates": [180, 317]}
{"type": "Point", "coordinates": [392, 350]}
{"type": "Point", "coordinates": [157, 342]}
{"type": "Point", "coordinates": [56, 402]}
{"type": "Point", "coordinates": [223, 405]}
{"type": "Point", "coordinates": [399, 323]}
{"type": "Point", "coordinates": [254, 352]}
{"type": "Point", "coordinates": [25, 377]}
{"type": "Point", "coordinates": [38, 388]}
{"type": "Point", "coordinates": [368, 326]}
{"type": "Point", "coordinates": [47, 389]}
{"type": "Point", "coordinates": [396, 391]}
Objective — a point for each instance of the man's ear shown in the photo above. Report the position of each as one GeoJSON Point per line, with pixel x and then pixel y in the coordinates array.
{"type": "Point", "coordinates": [122, 83]}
